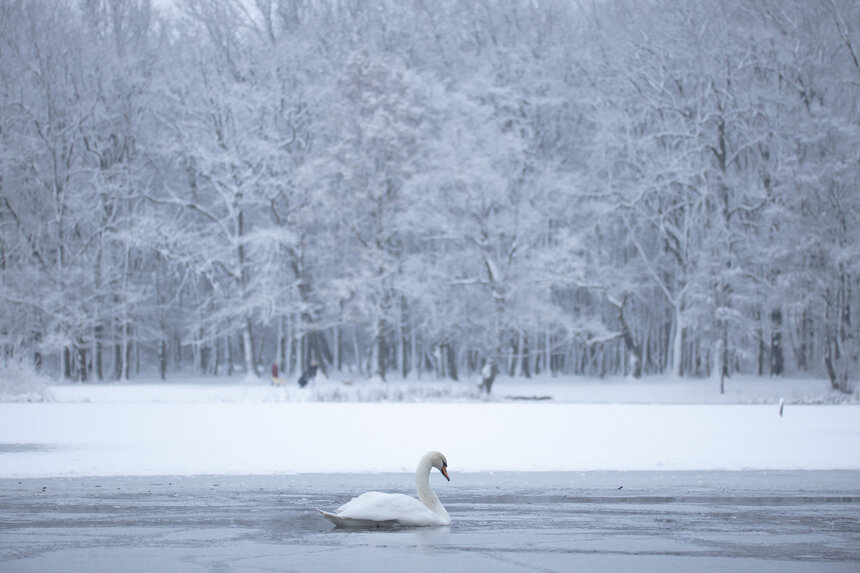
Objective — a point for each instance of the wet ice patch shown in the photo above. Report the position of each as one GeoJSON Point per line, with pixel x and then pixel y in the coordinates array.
{"type": "Point", "coordinates": [25, 448]}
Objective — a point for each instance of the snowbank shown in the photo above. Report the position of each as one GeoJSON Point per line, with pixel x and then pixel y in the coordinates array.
{"type": "Point", "coordinates": [20, 383]}
{"type": "Point", "coordinates": [200, 391]}
{"type": "Point", "coordinates": [649, 390]}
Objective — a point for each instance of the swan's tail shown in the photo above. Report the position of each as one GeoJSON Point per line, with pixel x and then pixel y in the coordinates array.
{"type": "Point", "coordinates": [333, 517]}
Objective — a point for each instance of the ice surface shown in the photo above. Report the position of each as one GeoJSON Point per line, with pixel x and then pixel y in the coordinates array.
{"type": "Point", "coordinates": [657, 521]}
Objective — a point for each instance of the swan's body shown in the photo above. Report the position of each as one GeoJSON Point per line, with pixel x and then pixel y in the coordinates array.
{"type": "Point", "coordinates": [375, 509]}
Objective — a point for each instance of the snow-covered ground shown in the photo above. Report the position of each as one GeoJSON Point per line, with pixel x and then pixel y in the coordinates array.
{"type": "Point", "coordinates": [250, 427]}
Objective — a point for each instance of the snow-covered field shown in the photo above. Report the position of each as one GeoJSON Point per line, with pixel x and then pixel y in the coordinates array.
{"type": "Point", "coordinates": [250, 427]}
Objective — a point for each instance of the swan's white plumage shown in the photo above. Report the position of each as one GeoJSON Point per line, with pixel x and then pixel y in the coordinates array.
{"type": "Point", "coordinates": [374, 508]}
{"type": "Point", "coordinates": [389, 509]}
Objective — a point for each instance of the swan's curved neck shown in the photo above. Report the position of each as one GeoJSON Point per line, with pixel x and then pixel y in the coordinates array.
{"type": "Point", "coordinates": [422, 485]}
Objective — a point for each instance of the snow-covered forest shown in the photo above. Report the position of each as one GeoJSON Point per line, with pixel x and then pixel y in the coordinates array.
{"type": "Point", "coordinates": [415, 188]}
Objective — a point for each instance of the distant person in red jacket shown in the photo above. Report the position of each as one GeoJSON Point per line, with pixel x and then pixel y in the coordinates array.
{"type": "Point", "coordinates": [275, 380]}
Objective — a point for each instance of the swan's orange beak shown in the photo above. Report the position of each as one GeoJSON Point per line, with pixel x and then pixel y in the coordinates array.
{"type": "Point", "coordinates": [444, 471]}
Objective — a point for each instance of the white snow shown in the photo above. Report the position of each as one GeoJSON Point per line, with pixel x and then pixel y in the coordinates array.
{"type": "Point", "coordinates": [244, 428]}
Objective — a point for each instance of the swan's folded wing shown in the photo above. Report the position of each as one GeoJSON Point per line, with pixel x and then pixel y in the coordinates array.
{"type": "Point", "coordinates": [350, 522]}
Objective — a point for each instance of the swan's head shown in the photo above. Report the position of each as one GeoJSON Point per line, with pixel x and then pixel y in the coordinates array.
{"type": "Point", "coordinates": [438, 461]}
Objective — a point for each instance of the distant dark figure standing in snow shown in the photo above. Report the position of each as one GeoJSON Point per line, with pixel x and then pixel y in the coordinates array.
{"type": "Point", "coordinates": [308, 375]}
{"type": "Point", "coordinates": [275, 370]}
{"type": "Point", "coordinates": [488, 375]}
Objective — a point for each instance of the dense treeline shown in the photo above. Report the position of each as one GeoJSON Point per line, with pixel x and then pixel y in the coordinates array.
{"type": "Point", "coordinates": [421, 188]}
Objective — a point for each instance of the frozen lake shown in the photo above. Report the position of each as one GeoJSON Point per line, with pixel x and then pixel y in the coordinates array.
{"type": "Point", "coordinates": [657, 521]}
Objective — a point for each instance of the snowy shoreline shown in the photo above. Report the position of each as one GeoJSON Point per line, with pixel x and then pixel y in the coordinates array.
{"type": "Point", "coordinates": [570, 389]}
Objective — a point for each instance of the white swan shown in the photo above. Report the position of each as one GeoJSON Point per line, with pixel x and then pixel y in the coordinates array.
{"type": "Point", "coordinates": [388, 509]}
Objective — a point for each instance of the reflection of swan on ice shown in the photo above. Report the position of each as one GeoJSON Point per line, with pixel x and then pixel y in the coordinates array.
{"type": "Point", "coordinates": [387, 509]}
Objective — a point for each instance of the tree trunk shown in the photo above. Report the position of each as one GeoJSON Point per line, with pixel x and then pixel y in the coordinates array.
{"type": "Point", "coordinates": [841, 353]}
{"type": "Point", "coordinates": [762, 347]}
{"type": "Point", "coordinates": [548, 352]}
{"type": "Point", "coordinates": [98, 334]}
{"type": "Point", "coordinates": [400, 342]}
{"type": "Point", "coordinates": [524, 355]}
{"type": "Point", "coordinates": [451, 358]}
{"type": "Point", "coordinates": [81, 362]}
{"type": "Point", "coordinates": [128, 350]}
{"type": "Point", "coordinates": [228, 355]}
{"type": "Point", "coordinates": [632, 347]}
{"type": "Point", "coordinates": [831, 356]}
{"type": "Point", "coordinates": [117, 360]}
{"type": "Point", "coordinates": [289, 344]}
{"type": "Point", "coordinates": [248, 346]}
{"type": "Point", "coordinates": [806, 336]}
{"type": "Point", "coordinates": [776, 355]}
{"type": "Point", "coordinates": [162, 358]}
{"type": "Point", "coordinates": [216, 355]}
{"type": "Point", "coordinates": [724, 356]}
{"type": "Point", "coordinates": [678, 343]}
{"type": "Point", "coordinates": [380, 348]}
{"type": "Point", "coordinates": [125, 351]}
{"type": "Point", "coordinates": [338, 341]}
{"type": "Point", "coordinates": [413, 347]}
